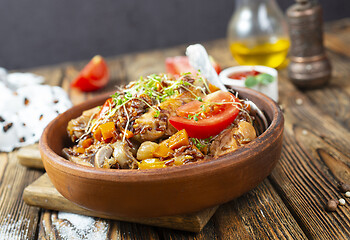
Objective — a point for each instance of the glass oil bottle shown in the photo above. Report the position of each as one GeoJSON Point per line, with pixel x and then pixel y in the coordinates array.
{"type": "Point", "coordinates": [257, 33]}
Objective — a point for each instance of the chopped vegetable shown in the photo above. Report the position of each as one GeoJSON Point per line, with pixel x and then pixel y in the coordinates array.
{"type": "Point", "coordinates": [108, 130]}
{"type": "Point", "coordinates": [94, 75]}
{"type": "Point", "coordinates": [79, 150]}
{"type": "Point", "coordinates": [207, 118]}
{"type": "Point", "coordinates": [179, 139]}
{"type": "Point", "coordinates": [151, 163]}
{"type": "Point", "coordinates": [97, 134]}
{"type": "Point", "coordinates": [136, 124]}
{"type": "Point", "coordinates": [87, 142]}
{"type": "Point", "coordinates": [213, 88]}
{"type": "Point", "coordinates": [105, 108]}
{"type": "Point", "coordinates": [180, 64]}
{"type": "Point", "coordinates": [163, 150]}
{"type": "Point", "coordinates": [128, 134]}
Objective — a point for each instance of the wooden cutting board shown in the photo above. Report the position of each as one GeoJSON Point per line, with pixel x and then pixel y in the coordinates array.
{"type": "Point", "coordinates": [29, 156]}
{"type": "Point", "coordinates": [42, 193]}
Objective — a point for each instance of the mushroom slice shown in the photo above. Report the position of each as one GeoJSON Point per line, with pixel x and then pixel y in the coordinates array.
{"type": "Point", "coordinates": [123, 155]}
{"type": "Point", "coordinates": [102, 155]}
{"type": "Point", "coordinates": [224, 143]}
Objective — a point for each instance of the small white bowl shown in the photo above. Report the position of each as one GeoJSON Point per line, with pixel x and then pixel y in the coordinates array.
{"type": "Point", "coordinates": [270, 90]}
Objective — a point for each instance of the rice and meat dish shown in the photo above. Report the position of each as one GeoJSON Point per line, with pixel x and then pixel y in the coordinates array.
{"type": "Point", "coordinates": [160, 121]}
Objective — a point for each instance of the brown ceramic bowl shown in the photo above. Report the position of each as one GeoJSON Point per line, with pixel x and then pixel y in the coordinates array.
{"type": "Point", "coordinates": [163, 192]}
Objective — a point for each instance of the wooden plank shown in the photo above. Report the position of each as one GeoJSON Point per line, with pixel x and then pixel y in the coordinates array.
{"type": "Point", "coordinates": [3, 164]}
{"type": "Point", "coordinates": [233, 218]}
{"type": "Point", "coordinates": [333, 42]}
{"type": "Point", "coordinates": [334, 99]}
{"type": "Point", "coordinates": [259, 214]}
{"type": "Point", "coordinates": [143, 64]}
{"type": "Point", "coordinates": [43, 194]}
{"type": "Point", "coordinates": [29, 156]}
{"type": "Point", "coordinates": [75, 95]}
{"type": "Point", "coordinates": [295, 177]}
{"type": "Point", "coordinates": [308, 172]}
{"type": "Point", "coordinates": [18, 220]}
{"type": "Point", "coordinates": [52, 74]}
{"type": "Point", "coordinates": [336, 37]}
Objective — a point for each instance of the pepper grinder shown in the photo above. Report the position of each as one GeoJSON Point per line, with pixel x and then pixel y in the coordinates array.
{"type": "Point", "coordinates": [309, 66]}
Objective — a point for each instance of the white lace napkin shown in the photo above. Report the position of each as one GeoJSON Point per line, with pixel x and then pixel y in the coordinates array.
{"type": "Point", "coordinates": [26, 107]}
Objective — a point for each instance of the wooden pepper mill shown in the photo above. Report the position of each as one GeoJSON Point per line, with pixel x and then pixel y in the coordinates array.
{"type": "Point", "coordinates": [309, 67]}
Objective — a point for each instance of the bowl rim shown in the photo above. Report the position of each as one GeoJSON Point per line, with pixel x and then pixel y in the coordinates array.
{"type": "Point", "coordinates": [151, 175]}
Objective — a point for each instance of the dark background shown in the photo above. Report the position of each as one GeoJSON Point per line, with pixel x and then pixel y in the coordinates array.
{"type": "Point", "coordinates": [43, 32]}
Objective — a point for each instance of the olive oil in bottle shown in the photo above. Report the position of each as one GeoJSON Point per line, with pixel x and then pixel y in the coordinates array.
{"type": "Point", "coordinates": [257, 33]}
{"type": "Point", "coordinates": [266, 54]}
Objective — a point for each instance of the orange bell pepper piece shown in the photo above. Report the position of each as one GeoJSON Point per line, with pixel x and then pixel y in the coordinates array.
{"type": "Point", "coordinates": [167, 147]}
{"type": "Point", "coordinates": [128, 134]}
{"type": "Point", "coordinates": [163, 150]}
{"type": "Point", "coordinates": [80, 150]}
{"type": "Point", "coordinates": [179, 139]}
{"type": "Point", "coordinates": [151, 164]}
{"type": "Point", "coordinates": [108, 130]}
{"type": "Point", "coordinates": [213, 88]}
{"type": "Point", "coordinates": [87, 143]}
{"type": "Point", "coordinates": [97, 134]}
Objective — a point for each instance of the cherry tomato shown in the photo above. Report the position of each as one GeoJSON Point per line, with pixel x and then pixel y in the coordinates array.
{"type": "Point", "coordinates": [209, 117]}
{"type": "Point", "coordinates": [94, 75]}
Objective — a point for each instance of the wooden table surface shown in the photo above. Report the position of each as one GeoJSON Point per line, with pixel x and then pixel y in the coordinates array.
{"type": "Point", "coordinates": [289, 204]}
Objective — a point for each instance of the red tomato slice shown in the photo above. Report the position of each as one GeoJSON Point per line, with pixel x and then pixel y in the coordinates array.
{"type": "Point", "coordinates": [180, 64]}
{"type": "Point", "coordinates": [105, 107]}
{"type": "Point", "coordinates": [213, 120]}
{"type": "Point", "coordinates": [94, 75]}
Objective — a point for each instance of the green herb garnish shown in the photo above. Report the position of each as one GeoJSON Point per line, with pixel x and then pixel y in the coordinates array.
{"type": "Point", "coordinates": [156, 114]}
{"type": "Point", "coordinates": [201, 144]}
{"type": "Point", "coordinates": [250, 81]}
{"type": "Point", "coordinates": [262, 78]}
